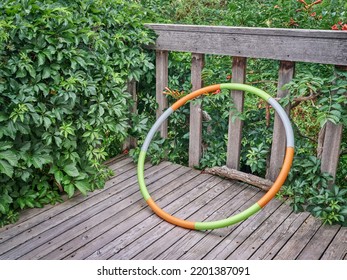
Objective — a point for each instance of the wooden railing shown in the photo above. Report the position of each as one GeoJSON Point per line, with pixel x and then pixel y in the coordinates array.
{"type": "Point", "coordinates": [285, 45]}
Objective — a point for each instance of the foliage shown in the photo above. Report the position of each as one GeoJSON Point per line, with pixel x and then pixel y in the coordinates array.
{"type": "Point", "coordinates": [309, 190]}
{"type": "Point", "coordinates": [63, 72]}
{"type": "Point", "coordinates": [307, 14]}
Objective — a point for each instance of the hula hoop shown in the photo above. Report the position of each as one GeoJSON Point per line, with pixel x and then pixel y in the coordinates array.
{"type": "Point", "coordinates": [252, 209]}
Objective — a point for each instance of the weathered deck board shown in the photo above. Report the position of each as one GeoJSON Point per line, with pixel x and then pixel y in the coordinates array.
{"type": "Point", "coordinates": [110, 206]}
{"type": "Point", "coordinates": [337, 248]}
{"type": "Point", "coordinates": [320, 240]}
{"type": "Point", "coordinates": [279, 237]}
{"type": "Point", "coordinates": [219, 245]}
{"type": "Point", "coordinates": [166, 245]}
{"type": "Point", "coordinates": [183, 245]}
{"type": "Point", "coordinates": [298, 241]}
{"type": "Point", "coordinates": [246, 249]}
{"type": "Point", "coordinates": [115, 223]}
{"type": "Point", "coordinates": [63, 213]}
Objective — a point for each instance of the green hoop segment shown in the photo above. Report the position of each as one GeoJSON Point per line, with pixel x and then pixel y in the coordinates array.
{"type": "Point", "coordinates": [247, 212]}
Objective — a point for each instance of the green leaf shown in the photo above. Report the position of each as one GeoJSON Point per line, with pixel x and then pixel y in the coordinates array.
{"type": "Point", "coordinates": [39, 160]}
{"type": "Point", "coordinates": [58, 175]}
{"type": "Point", "coordinates": [46, 73]}
{"type": "Point", "coordinates": [2, 209]}
{"type": "Point", "coordinates": [69, 189]}
{"type": "Point", "coordinates": [5, 145]}
{"type": "Point", "coordinates": [82, 186]}
{"type": "Point", "coordinates": [71, 170]}
{"type": "Point", "coordinates": [10, 156]}
{"type": "Point", "coordinates": [6, 168]}
{"type": "Point", "coordinates": [3, 117]}
{"type": "Point", "coordinates": [41, 59]}
{"type": "Point", "coordinates": [6, 198]}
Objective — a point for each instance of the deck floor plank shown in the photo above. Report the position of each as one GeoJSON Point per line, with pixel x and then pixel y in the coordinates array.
{"type": "Point", "coordinates": [164, 242]}
{"type": "Point", "coordinates": [125, 169]}
{"type": "Point", "coordinates": [109, 215]}
{"type": "Point", "coordinates": [183, 244]}
{"type": "Point", "coordinates": [92, 217]}
{"type": "Point", "coordinates": [64, 213]}
{"type": "Point", "coordinates": [199, 205]}
{"type": "Point", "coordinates": [259, 236]}
{"type": "Point", "coordinates": [169, 203]}
{"type": "Point", "coordinates": [279, 237]}
{"type": "Point", "coordinates": [94, 248]}
{"type": "Point", "coordinates": [316, 247]}
{"type": "Point", "coordinates": [292, 249]}
{"type": "Point", "coordinates": [116, 223]}
{"type": "Point", "coordinates": [220, 244]}
{"type": "Point", "coordinates": [338, 247]}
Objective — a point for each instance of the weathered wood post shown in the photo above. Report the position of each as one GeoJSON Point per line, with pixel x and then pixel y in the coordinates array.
{"type": "Point", "coordinates": [195, 121]}
{"type": "Point", "coordinates": [235, 127]}
{"type": "Point", "coordinates": [331, 145]}
{"type": "Point", "coordinates": [131, 142]}
{"type": "Point", "coordinates": [161, 82]}
{"type": "Point", "coordinates": [285, 75]}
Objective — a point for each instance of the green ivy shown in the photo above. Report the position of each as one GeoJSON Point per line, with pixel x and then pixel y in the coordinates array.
{"type": "Point", "coordinates": [63, 101]}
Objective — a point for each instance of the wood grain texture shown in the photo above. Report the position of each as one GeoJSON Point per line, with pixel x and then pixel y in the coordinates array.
{"type": "Point", "coordinates": [261, 234]}
{"type": "Point", "coordinates": [161, 75]}
{"type": "Point", "coordinates": [331, 148]}
{"type": "Point", "coordinates": [279, 237]}
{"type": "Point", "coordinates": [280, 44]}
{"type": "Point", "coordinates": [338, 247]}
{"type": "Point", "coordinates": [285, 75]}
{"type": "Point", "coordinates": [235, 126]}
{"type": "Point", "coordinates": [316, 247]}
{"type": "Point", "coordinates": [195, 119]}
{"type": "Point", "coordinates": [292, 249]}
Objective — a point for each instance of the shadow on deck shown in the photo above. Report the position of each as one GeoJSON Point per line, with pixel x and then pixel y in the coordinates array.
{"type": "Point", "coordinates": [115, 223]}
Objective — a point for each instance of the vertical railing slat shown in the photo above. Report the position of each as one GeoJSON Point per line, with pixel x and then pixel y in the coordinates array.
{"type": "Point", "coordinates": [331, 148]}
{"type": "Point", "coordinates": [195, 121]}
{"type": "Point", "coordinates": [285, 75]}
{"type": "Point", "coordinates": [235, 127]}
{"type": "Point", "coordinates": [131, 142]}
{"type": "Point", "coordinates": [161, 83]}
{"type": "Point", "coordinates": [332, 143]}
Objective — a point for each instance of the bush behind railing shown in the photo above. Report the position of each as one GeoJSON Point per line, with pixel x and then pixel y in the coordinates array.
{"type": "Point", "coordinates": [63, 101]}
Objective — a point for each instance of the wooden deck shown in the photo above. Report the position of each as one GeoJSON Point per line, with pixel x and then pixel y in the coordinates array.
{"type": "Point", "coordinates": [115, 223]}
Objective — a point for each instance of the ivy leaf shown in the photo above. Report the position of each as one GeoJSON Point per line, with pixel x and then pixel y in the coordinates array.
{"type": "Point", "coordinates": [69, 189]}
{"type": "Point", "coordinates": [5, 145]}
{"type": "Point", "coordinates": [82, 186]}
{"type": "Point", "coordinates": [2, 208]}
{"type": "Point", "coordinates": [41, 59]}
{"type": "Point", "coordinates": [58, 175]}
{"type": "Point", "coordinates": [39, 160]}
{"type": "Point", "coordinates": [10, 156]}
{"type": "Point", "coordinates": [71, 170]}
{"type": "Point", "coordinates": [46, 73]}
{"type": "Point", "coordinates": [6, 168]}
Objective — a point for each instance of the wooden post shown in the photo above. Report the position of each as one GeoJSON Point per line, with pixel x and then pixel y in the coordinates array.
{"type": "Point", "coordinates": [331, 148]}
{"type": "Point", "coordinates": [195, 122]}
{"type": "Point", "coordinates": [331, 143]}
{"type": "Point", "coordinates": [161, 83]}
{"type": "Point", "coordinates": [285, 75]}
{"type": "Point", "coordinates": [235, 128]}
{"type": "Point", "coordinates": [131, 142]}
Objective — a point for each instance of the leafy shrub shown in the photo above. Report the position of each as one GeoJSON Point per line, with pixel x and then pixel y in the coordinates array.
{"type": "Point", "coordinates": [63, 101]}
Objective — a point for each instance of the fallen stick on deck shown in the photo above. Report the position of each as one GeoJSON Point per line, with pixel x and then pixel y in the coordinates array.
{"type": "Point", "coordinates": [234, 174]}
